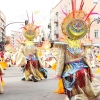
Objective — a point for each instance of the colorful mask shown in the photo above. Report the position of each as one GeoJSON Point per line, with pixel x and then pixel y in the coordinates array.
{"type": "Point", "coordinates": [77, 23]}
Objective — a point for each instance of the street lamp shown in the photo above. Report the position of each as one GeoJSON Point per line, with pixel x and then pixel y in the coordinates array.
{"type": "Point", "coordinates": [12, 23]}
{"type": "Point", "coordinates": [97, 19]}
{"type": "Point", "coordinates": [1, 42]}
{"type": "Point", "coordinates": [2, 33]}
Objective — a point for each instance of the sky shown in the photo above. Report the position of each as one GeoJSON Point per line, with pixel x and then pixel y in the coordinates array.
{"type": "Point", "coordinates": [16, 11]}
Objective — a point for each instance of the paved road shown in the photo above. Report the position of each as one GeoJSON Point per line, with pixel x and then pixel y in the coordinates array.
{"type": "Point", "coordinates": [15, 89]}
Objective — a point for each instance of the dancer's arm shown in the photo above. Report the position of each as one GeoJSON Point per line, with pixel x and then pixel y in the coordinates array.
{"type": "Point", "coordinates": [60, 61]}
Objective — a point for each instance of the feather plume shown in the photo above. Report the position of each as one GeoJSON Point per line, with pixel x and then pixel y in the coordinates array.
{"type": "Point", "coordinates": [36, 27]}
{"type": "Point", "coordinates": [90, 13]}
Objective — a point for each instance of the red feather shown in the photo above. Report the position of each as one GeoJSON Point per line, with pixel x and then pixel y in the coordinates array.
{"type": "Point", "coordinates": [73, 9]}
{"type": "Point", "coordinates": [90, 12]}
{"type": "Point", "coordinates": [23, 28]}
{"type": "Point", "coordinates": [74, 4]}
{"type": "Point", "coordinates": [81, 7]}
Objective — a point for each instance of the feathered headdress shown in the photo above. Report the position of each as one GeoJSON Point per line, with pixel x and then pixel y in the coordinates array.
{"type": "Point", "coordinates": [30, 30]}
{"type": "Point", "coordinates": [77, 23]}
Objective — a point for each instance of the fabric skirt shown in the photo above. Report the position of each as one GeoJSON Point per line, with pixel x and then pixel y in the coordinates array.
{"type": "Point", "coordinates": [79, 82]}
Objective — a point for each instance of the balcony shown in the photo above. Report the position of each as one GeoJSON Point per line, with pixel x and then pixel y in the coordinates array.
{"type": "Point", "coordinates": [49, 26]}
{"type": "Point", "coordinates": [56, 34]}
{"type": "Point", "coordinates": [56, 21]}
{"type": "Point", "coordinates": [56, 37]}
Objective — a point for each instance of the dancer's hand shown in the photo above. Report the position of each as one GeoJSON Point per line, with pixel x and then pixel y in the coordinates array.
{"type": "Point", "coordinates": [56, 77]}
{"type": "Point", "coordinates": [3, 73]}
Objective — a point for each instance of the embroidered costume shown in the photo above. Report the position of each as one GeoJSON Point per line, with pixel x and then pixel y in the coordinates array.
{"type": "Point", "coordinates": [73, 67]}
{"type": "Point", "coordinates": [45, 55]}
{"type": "Point", "coordinates": [27, 58]}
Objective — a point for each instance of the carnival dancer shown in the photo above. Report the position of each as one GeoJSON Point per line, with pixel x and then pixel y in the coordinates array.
{"type": "Point", "coordinates": [88, 51]}
{"type": "Point", "coordinates": [27, 58]}
{"type": "Point", "coordinates": [73, 66]}
{"type": "Point", "coordinates": [3, 63]}
{"type": "Point", "coordinates": [45, 55]}
{"type": "Point", "coordinates": [1, 81]}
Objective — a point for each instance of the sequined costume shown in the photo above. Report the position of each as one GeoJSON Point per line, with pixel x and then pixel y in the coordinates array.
{"type": "Point", "coordinates": [73, 66]}
{"type": "Point", "coordinates": [26, 57]}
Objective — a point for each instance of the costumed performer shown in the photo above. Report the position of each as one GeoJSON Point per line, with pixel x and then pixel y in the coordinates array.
{"type": "Point", "coordinates": [73, 66]}
{"type": "Point", "coordinates": [88, 51]}
{"type": "Point", "coordinates": [27, 58]}
{"type": "Point", "coordinates": [1, 81]}
{"type": "Point", "coordinates": [46, 58]}
{"type": "Point", "coordinates": [3, 63]}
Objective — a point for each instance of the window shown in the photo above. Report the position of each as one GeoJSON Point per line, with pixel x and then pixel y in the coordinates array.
{"type": "Point", "coordinates": [65, 8]}
{"type": "Point", "coordinates": [69, 7]}
{"type": "Point", "coordinates": [96, 32]}
{"type": "Point", "coordinates": [56, 13]}
{"type": "Point", "coordinates": [95, 1]}
{"type": "Point", "coordinates": [56, 36]}
{"type": "Point", "coordinates": [96, 16]}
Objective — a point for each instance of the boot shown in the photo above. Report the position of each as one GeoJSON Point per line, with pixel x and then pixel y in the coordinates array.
{"type": "Point", "coordinates": [43, 71]}
{"type": "Point", "coordinates": [23, 79]}
{"type": "Point", "coordinates": [44, 74]}
{"type": "Point", "coordinates": [33, 79]}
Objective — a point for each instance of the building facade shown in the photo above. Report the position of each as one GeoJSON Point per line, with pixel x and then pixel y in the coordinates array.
{"type": "Point", "coordinates": [45, 31]}
{"type": "Point", "coordinates": [15, 37]}
{"type": "Point", "coordinates": [2, 28]}
{"type": "Point", "coordinates": [57, 17]}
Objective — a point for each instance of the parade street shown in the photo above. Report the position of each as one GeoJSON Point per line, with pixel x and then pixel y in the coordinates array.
{"type": "Point", "coordinates": [15, 89]}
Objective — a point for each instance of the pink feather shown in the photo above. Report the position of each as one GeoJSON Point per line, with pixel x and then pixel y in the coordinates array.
{"type": "Point", "coordinates": [37, 27]}
{"type": "Point", "coordinates": [64, 12]}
